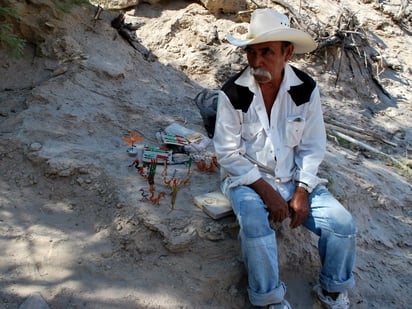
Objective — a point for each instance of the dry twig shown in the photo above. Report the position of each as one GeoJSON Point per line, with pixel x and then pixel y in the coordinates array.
{"type": "Point", "coordinates": [366, 146]}
{"type": "Point", "coordinates": [357, 132]}
{"type": "Point", "coordinates": [295, 16]}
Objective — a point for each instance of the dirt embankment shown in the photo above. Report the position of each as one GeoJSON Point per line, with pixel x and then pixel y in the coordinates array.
{"type": "Point", "coordinates": [74, 225]}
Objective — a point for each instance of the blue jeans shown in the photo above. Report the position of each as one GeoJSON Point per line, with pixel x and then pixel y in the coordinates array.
{"type": "Point", "coordinates": [327, 218]}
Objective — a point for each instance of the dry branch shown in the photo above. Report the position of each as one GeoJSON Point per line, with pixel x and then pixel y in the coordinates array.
{"type": "Point", "coordinates": [331, 128]}
{"type": "Point", "coordinates": [295, 16]}
{"type": "Point", "coordinates": [257, 4]}
{"type": "Point", "coordinates": [348, 36]}
{"type": "Point", "coordinates": [365, 146]}
{"type": "Point", "coordinates": [356, 131]}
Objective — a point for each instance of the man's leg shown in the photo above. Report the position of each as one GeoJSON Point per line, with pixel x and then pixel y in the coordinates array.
{"type": "Point", "coordinates": [259, 248]}
{"type": "Point", "coordinates": [336, 229]}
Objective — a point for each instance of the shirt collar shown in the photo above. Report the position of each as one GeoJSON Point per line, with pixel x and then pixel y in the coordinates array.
{"type": "Point", "coordinates": [290, 79]}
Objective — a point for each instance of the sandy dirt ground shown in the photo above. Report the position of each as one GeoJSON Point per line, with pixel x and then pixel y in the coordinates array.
{"type": "Point", "coordinates": [75, 227]}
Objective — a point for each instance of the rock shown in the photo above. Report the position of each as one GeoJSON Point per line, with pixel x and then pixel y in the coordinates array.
{"type": "Point", "coordinates": [116, 4]}
{"type": "Point", "coordinates": [35, 146]}
{"type": "Point", "coordinates": [35, 301]}
{"type": "Point", "coordinates": [181, 241]}
{"type": "Point", "coordinates": [122, 4]}
{"type": "Point", "coordinates": [225, 6]}
{"type": "Point", "coordinates": [175, 238]}
{"type": "Point", "coordinates": [59, 71]}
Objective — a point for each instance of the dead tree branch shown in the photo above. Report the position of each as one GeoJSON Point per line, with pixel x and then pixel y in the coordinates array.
{"type": "Point", "coordinates": [365, 146]}
{"type": "Point", "coordinates": [295, 16]}
{"type": "Point", "coordinates": [356, 132]}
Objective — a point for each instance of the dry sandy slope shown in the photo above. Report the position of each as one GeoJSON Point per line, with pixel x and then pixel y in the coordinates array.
{"type": "Point", "coordinates": [73, 226]}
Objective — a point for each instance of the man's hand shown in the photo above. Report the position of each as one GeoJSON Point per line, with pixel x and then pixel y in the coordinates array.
{"type": "Point", "coordinates": [300, 207]}
{"type": "Point", "coordinates": [277, 207]}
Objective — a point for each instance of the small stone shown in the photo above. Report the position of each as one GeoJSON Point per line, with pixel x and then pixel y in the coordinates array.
{"type": "Point", "coordinates": [59, 71]}
{"type": "Point", "coordinates": [49, 25]}
{"type": "Point", "coordinates": [35, 146]}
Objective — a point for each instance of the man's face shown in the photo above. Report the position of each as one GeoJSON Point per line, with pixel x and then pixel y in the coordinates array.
{"type": "Point", "coordinates": [267, 60]}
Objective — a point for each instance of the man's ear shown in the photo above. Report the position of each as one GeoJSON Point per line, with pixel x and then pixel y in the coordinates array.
{"type": "Point", "coordinates": [289, 52]}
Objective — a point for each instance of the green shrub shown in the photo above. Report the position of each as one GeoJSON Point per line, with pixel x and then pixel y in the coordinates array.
{"type": "Point", "coordinates": [8, 39]}
{"type": "Point", "coordinates": [8, 15]}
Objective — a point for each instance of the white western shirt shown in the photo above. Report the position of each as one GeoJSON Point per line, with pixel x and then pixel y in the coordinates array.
{"type": "Point", "coordinates": [290, 147]}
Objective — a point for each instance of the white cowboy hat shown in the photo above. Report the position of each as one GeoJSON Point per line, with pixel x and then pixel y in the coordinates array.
{"type": "Point", "coordinates": [267, 25]}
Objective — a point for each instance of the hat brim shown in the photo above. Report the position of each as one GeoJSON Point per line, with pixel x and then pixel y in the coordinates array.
{"type": "Point", "coordinates": [302, 41]}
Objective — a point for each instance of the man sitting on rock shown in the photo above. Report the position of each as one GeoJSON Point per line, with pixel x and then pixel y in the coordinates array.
{"type": "Point", "coordinates": [270, 140]}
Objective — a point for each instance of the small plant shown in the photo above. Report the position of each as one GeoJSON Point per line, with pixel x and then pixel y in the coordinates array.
{"type": "Point", "coordinates": [8, 39]}
{"type": "Point", "coordinates": [9, 16]}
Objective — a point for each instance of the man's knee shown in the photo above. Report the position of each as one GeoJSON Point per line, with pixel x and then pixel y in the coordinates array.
{"type": "Point", "coordinates": [343, 223]}
{"type": "Point", "coordinates": [254, 220]}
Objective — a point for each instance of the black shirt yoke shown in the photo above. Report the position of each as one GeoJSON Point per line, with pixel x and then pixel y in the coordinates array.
{"type": "Point", "coordinates": [241, 97]}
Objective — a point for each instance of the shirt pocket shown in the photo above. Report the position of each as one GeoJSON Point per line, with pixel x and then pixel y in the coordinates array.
{"type": "Point", "coordinates": [294, 130]}
{"type": "Point", "coordinates": [253, 135]}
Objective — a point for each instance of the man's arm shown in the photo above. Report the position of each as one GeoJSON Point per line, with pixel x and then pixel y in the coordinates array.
{"type": "Point", "coordinates": [308, 156]}
{"type": "Point", "coordinates": [310, 152]}
{"type": "Point", "coordinates": [228, 144]}
{"type": "Point", "coordinates": [300, 207]}
{"type": "Point", "coordinates": [276, 205]}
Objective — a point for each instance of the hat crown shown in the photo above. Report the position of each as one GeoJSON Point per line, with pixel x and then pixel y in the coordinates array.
{"type": "Point", "coordinates": [264, 20]}
{"type": "Point", "coordinates": [267, 25]}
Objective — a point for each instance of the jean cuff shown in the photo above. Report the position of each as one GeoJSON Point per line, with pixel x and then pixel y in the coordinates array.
{"type": "Point", "coordinates": [335, 286]}
{"type": "Point", "coordinates": [273, 297]}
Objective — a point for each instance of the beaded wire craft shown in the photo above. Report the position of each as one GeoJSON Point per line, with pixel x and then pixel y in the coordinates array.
{"type": "Point", "coordinates": [174, 182]}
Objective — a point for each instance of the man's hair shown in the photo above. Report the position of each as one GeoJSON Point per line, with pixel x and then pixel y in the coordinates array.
{"type": "Point", "coordinates": [285, 45]}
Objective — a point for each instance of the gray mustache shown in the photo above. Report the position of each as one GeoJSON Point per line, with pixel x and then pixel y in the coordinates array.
{"type": "Point", "coordinates": [260, 72]}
